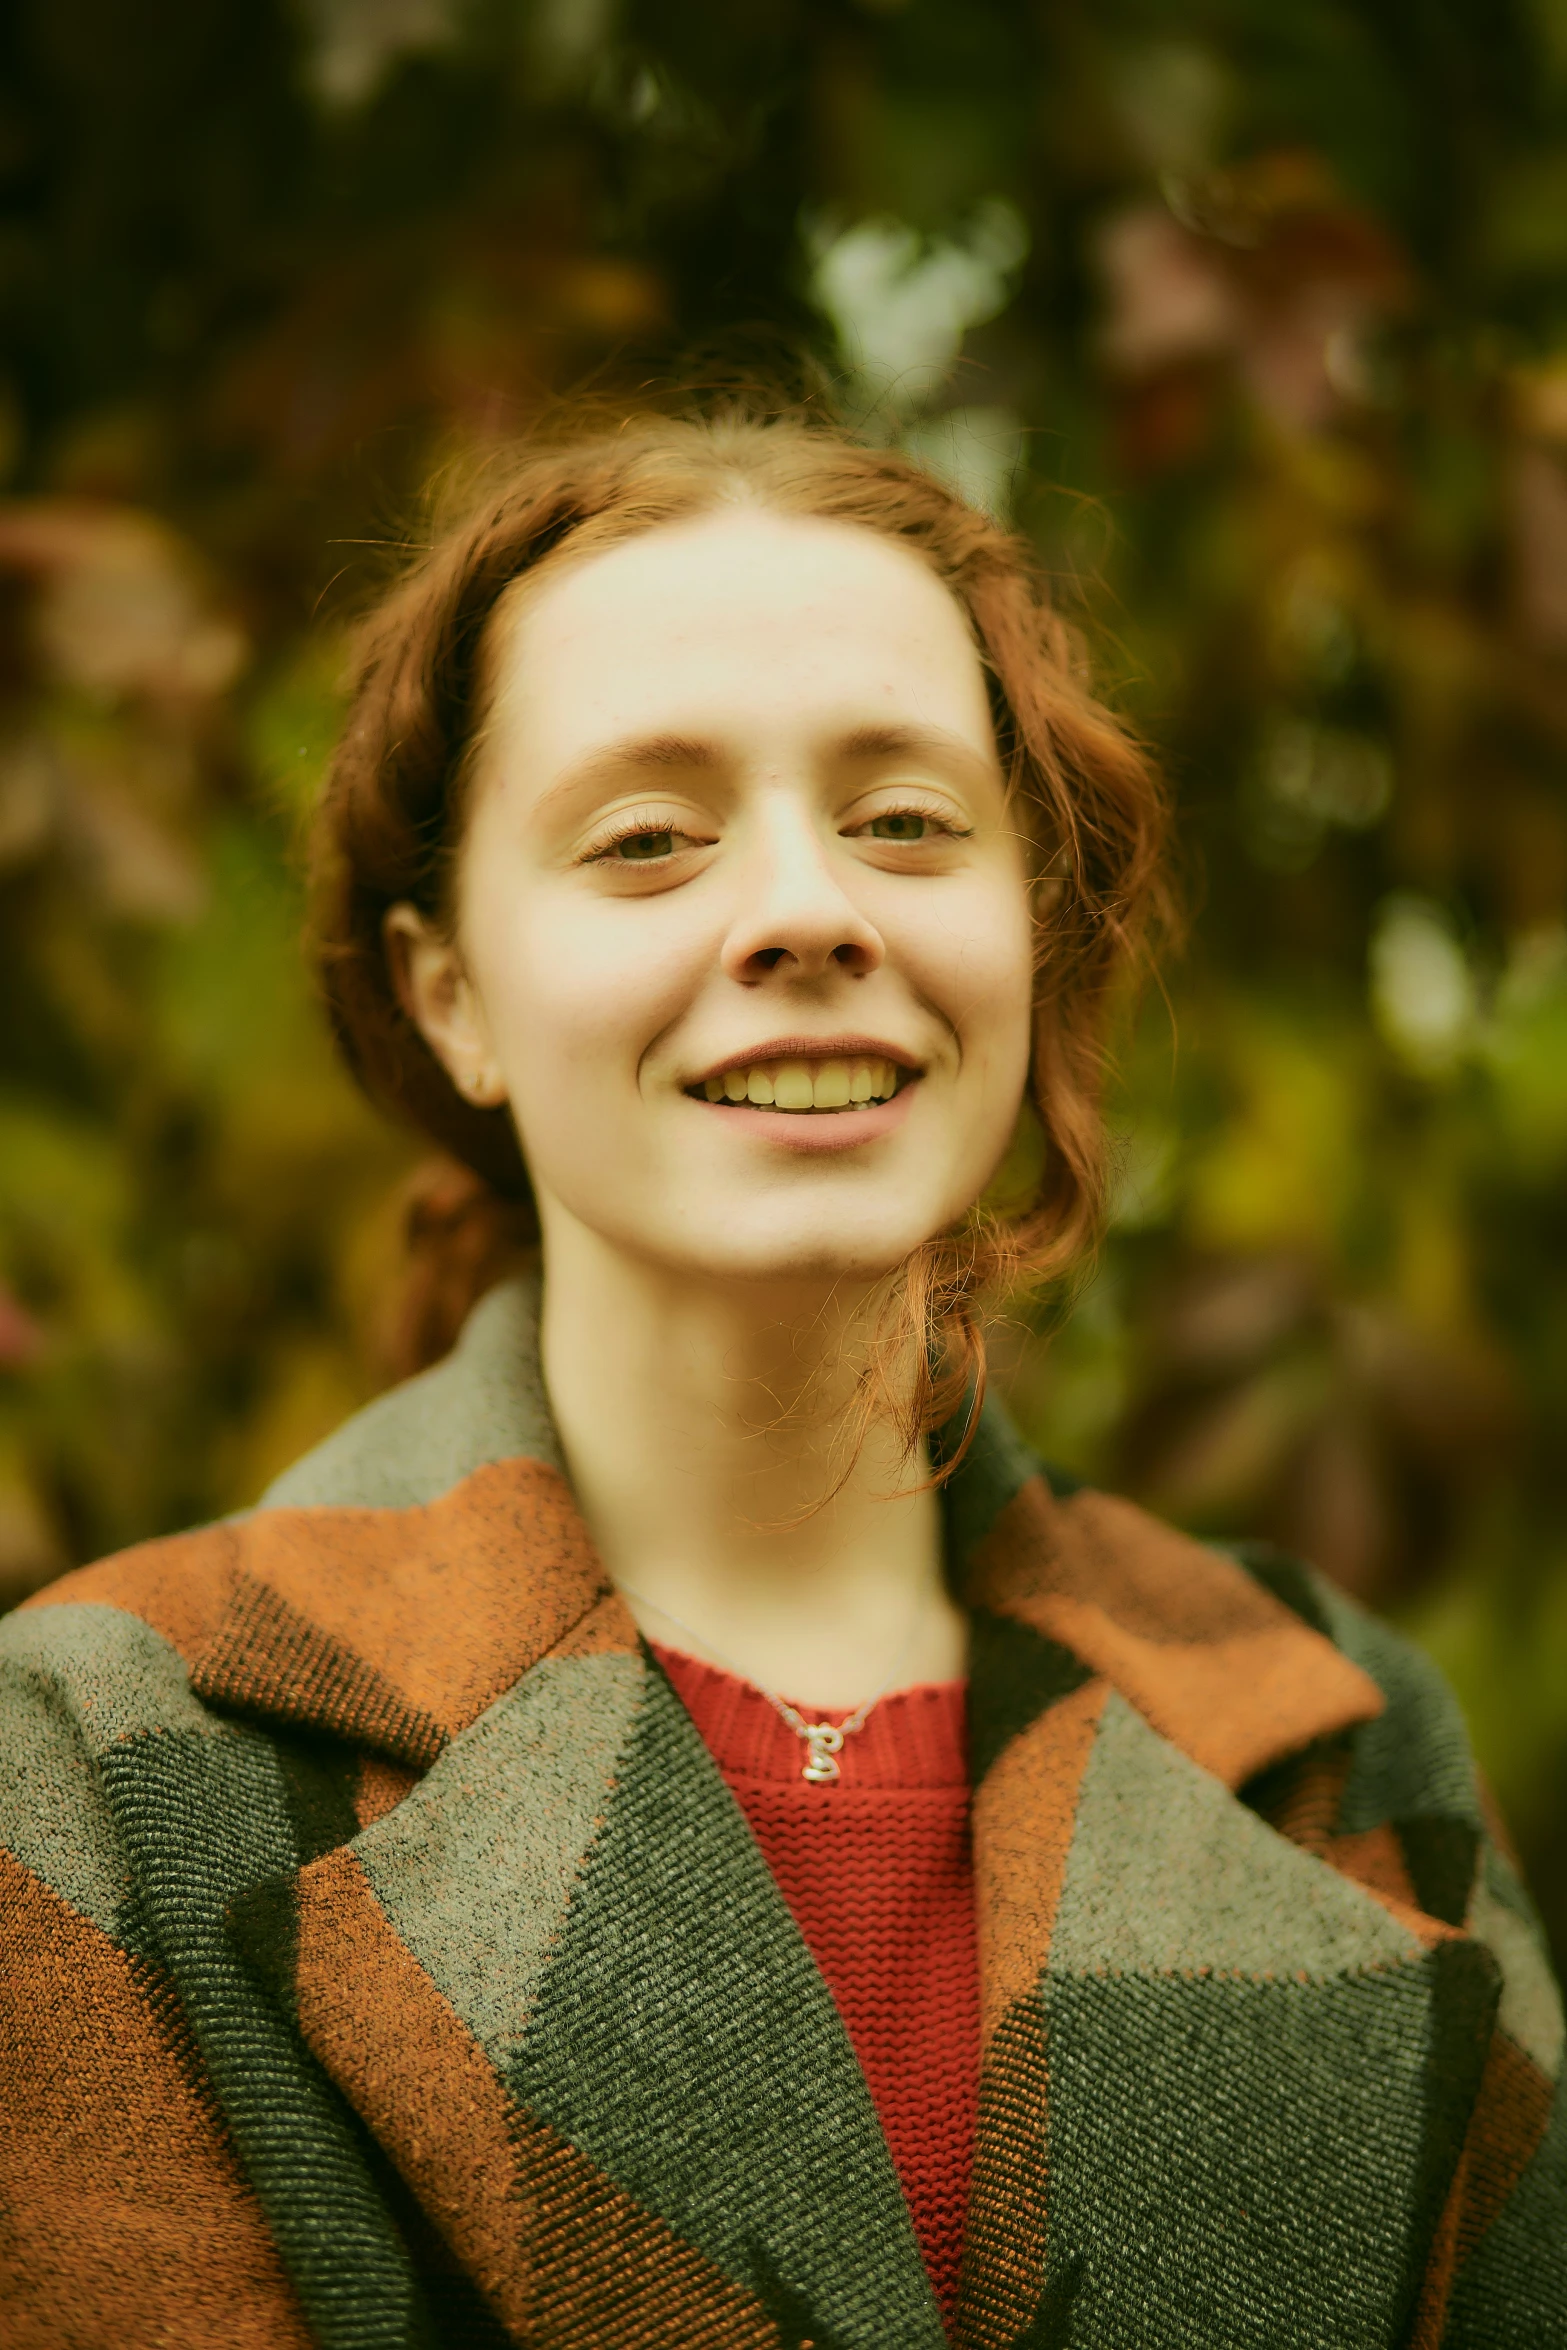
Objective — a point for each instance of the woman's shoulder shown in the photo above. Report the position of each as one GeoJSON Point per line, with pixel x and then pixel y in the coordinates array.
{"type": "Point", "coordinates": [1414, 1812]}
{"type": "Point", "coordinates": [1412, 1758]}
{"type": "Point", "coordinates": [94, 1667]}
{"type": "Point", "coordinates": [1324, 1719]}
{"type": "Point", "coordinates": [1240, 1627]}
{"type": "Point", "coordinates": [147, 1615]}
{"type": "Point", "coordinates": [128, 1624]}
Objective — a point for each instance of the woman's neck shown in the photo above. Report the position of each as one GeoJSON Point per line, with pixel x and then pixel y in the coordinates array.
{"type": "Point", "coordinates": [703, 1425]}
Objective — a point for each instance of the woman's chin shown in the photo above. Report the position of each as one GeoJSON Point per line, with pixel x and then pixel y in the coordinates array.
{"type": "Point", "coordinates": [788, 1233]}
{"type": "Point", "coordinates": [713, 1207]}
{"type": "Point", "coordinates": [797, 1252]}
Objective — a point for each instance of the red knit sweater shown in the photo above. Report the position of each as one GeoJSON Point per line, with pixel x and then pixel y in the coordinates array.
{"type": "Point", "coordinates": [878, 1872]}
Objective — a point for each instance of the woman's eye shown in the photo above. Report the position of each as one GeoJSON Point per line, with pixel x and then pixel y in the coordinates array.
{"type": "Point", "coordinates": [910, 827]}
{"type": "Point", "coordinates": [639, 848]}
{"type": "Point", "coordinates": [646, 842]}
{"type": "Point", "coordinates": [641, 844]}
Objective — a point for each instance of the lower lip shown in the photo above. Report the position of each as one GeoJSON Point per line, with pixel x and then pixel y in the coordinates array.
{"type": "Point", "coordinates": [816, 1130]}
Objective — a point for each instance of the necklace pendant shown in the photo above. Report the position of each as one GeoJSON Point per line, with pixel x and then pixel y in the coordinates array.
{"type": "Point", "coordinates": [825, 1741]}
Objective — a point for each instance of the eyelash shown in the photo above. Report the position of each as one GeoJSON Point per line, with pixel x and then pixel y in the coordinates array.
{"type": "Point", "coordinates": [931, 813]}
{"type": "Point", "coordinates": [636, 827]}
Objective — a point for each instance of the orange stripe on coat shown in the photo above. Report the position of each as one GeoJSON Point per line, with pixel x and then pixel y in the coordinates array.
{"type": "Point", "coordinates": [180, 1585]}
{"type": "Point", "coordinates": [1214, 1662]}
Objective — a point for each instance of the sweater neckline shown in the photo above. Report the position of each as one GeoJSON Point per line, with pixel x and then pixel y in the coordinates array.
{"type": "Point", "coordinates": [915, 1737]}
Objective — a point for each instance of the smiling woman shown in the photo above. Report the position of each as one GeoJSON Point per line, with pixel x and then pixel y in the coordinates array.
{"type": "Point", "coordinates": [672, 1827]}
{"type": "Point", "coordinates": [781, 666]}
{"type": "Point", "coordinates": [738, 807]}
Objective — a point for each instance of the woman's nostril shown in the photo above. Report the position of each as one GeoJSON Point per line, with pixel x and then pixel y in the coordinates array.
{"type": "Point", "coordinates": [848, 956]}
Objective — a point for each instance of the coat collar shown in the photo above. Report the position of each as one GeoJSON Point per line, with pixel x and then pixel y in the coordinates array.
{"type": "Point", "coordinates": [398, 1581]}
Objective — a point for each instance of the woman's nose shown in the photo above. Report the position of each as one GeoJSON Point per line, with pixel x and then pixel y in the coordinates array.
{"type": "Point", "coordinates": [795, 916]}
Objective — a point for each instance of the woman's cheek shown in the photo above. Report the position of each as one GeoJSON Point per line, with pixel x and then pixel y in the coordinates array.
{"type": "Point", "coordinates": [977, 969]}
{"type": "Point", "coordinates": [581, 995]}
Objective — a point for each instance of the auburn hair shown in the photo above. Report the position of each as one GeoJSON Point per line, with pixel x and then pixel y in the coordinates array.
{"type": "Point", "coordinates": [1085, 794]}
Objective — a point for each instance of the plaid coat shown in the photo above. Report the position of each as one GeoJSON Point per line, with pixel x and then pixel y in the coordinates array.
{"type": "Point", "coordinates": [383, 1961]}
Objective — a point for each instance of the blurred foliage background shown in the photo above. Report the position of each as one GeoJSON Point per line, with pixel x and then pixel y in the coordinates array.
{"type": "Point", "coordinates": [1252, 312]}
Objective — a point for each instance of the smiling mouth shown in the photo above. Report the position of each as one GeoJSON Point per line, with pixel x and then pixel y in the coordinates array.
{"type": "Point", "coordinates": [795, 1086]}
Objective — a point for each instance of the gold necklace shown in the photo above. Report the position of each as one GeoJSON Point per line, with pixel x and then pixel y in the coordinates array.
{"type": "Point", "coordinates": [824, 1740]}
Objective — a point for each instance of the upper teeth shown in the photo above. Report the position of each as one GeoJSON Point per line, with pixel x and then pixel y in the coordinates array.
{"type": "Point", "coordinates": [805, 1085]}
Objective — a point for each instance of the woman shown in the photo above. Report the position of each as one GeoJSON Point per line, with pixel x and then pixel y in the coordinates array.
{"type": "Point", "coordinates": [669, 1829]}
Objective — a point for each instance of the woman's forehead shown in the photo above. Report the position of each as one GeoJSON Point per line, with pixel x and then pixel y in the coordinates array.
{"type": "Point", "coordinates": [736, 620]}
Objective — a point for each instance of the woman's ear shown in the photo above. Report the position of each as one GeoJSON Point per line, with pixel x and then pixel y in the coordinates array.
{"type": "Point", "coordinates": [438, 996]}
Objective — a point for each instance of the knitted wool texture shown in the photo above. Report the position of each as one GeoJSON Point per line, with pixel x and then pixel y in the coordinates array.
{"type": "Point", "coordinates": [384, 1963]}
{"type": "Point", "coordinates": [878, 1873]}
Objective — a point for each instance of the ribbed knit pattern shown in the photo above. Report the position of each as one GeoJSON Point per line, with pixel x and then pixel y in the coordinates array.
{"type": "Point", "coordinates": [878, 1872]}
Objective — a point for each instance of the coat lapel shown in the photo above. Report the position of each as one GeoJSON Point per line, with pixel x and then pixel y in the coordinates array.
{"type": "Point", "coordinates": [560, 1986]}
{"type": "Point", "coordinates": [557, 1980]}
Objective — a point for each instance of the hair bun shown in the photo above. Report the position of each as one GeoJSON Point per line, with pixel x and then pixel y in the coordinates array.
{"type": "Point", "coordinates": [460, 1237]}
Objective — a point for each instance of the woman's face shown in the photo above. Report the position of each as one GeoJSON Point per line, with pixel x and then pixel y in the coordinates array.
{"type": "Point", "coordinates": [743, 930]}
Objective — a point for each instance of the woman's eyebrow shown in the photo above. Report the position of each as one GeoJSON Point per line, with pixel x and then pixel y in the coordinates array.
{"type": "Point", "coordinates": [652, 754]}
{"type": "Point", "coordinates": [908, 741]}
{"type": "Point", "coordinates": [640, 754]}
